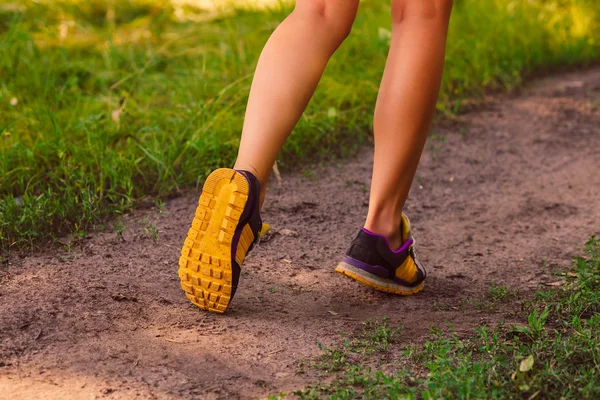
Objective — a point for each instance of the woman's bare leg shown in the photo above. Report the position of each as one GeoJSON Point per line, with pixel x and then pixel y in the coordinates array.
{"type": "Point", "coordinates": [405, 105]}
{"type": "Point", "coordinates": [288, 71]}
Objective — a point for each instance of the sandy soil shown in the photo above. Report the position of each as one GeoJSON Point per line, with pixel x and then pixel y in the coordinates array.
{"type": "Point", "coordinates": [507, 193]}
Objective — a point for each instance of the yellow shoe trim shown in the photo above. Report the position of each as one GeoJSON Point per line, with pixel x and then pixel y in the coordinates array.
{"type": "Point", "coordinates": [405, 228]}
{"type": "Point", "coordinates": [265, 229]}
{"type": "Point", "coordinates": [376, 282]}
{"type": "Point", "coordinates": [205, 262]}
{"type": "Point", "coordinates": [408, 270]}
{"type": "Point", "coordinates": [246, 239]}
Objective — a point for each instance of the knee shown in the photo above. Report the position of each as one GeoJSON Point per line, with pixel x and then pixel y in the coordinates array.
{"type": "Point", "coordinates": [337, 16]}
{"type": "Point", "coordinates": [422, 9]}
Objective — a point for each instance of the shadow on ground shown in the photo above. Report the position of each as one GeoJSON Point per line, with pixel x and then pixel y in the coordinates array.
{"type": "Point", "coordinates": [507, 194]}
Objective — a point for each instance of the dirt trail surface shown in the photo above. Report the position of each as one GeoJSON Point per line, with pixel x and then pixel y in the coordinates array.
{"type": "Point", "coordinates": [514, 182]}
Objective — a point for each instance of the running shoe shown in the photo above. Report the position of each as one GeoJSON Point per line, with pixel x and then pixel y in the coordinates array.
{"type": "Point", "coordinates": [372, 262]}
{"type": "Point", "coordinates": [227, 225]}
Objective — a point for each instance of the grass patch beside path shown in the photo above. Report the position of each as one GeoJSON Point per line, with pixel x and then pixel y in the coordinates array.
{"type": "Point", "coordinates": [554, 354]}
{"type": "Point", "coordinates": [105, 103]}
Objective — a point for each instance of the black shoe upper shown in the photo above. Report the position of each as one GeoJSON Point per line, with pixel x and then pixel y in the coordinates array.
{"type": "Point", "coordinates": [374, 250]}
{"type": "Point", "coordinates": [252, 208]}
{"type": "Point", "coordinates": [250, 216]}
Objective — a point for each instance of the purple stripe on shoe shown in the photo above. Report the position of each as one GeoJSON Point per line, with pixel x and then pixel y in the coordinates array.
{"type": "Point", "coordinates": [377, 270]}
{"type": "Point", "coordinates": [372, 269]}
{"type": "Point", "coordinates": [402, 248]}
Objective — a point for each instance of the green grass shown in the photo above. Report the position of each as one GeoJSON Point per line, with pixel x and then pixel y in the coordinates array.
{"type": "Point", "coordinates": [104, 104]}
{"type": "Point", "coordinates": [553, 354]}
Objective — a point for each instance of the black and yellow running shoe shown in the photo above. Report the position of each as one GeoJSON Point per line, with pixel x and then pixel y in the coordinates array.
{"type": "Point", "coordinates": [227, 225]}
{"type": "Point", "coordinates": [372, 262]}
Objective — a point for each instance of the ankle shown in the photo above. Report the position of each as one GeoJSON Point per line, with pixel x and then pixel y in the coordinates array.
{"type": "Point", "coordinates": [252, 170]}
{"type": "Point", "coordinates": [389, 231]}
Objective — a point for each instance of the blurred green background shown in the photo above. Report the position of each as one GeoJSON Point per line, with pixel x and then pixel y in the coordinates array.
{"type": "Point", "coordinates": [106, 103]}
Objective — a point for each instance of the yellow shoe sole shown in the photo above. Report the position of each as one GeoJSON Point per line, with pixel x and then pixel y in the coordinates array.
{"type": "Point", "coordinates": [205, 265]}
{"type": "Point", "coordinates": [376, 282]}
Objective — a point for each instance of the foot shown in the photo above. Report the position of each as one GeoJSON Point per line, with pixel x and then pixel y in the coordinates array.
{"type": "Point", "coordinates": [225, 228]}
{"type": "Point", "coordinates": [372, 262]}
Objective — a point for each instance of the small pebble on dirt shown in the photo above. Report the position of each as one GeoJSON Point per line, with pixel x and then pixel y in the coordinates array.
{"type": "Point", "coordinates": [288, 232]}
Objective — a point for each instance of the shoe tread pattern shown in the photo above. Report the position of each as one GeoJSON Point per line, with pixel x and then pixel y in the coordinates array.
{"type": "Point", "coordinates": [205, 268]}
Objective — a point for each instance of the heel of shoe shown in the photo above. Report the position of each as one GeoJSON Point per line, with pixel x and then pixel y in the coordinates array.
{"type": "Point", "coordinates": [205, 266]}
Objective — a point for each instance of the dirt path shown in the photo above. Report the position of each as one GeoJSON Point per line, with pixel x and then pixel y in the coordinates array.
{"type": "Point", "coordinates": [513, 183]}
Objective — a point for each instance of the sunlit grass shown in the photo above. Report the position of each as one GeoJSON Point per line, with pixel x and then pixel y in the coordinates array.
{"type": "Point", "coordinates": [105, 103]}
{"type": "Point", "coordinates": [227, 4]}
